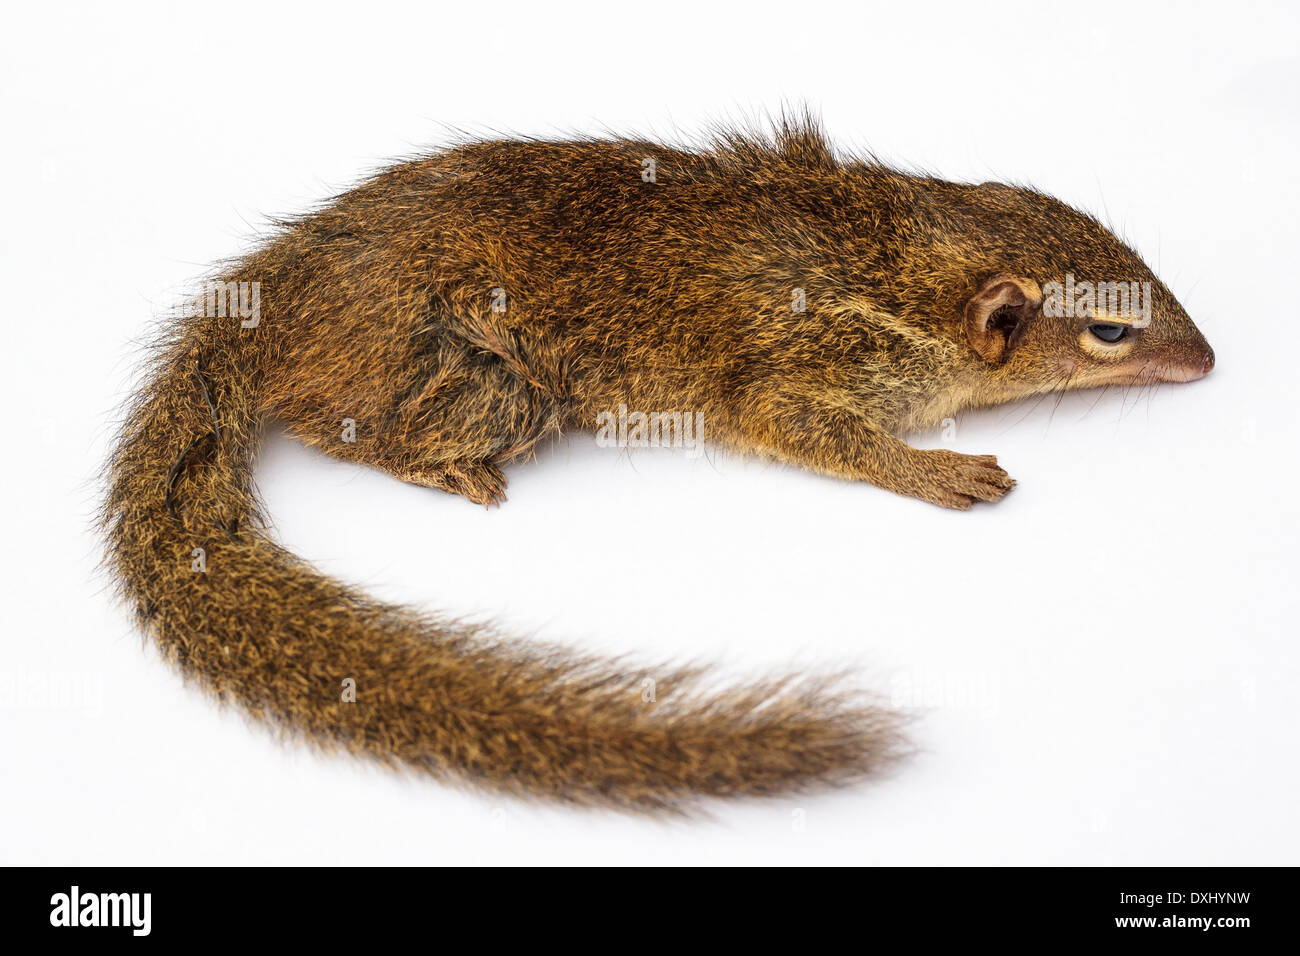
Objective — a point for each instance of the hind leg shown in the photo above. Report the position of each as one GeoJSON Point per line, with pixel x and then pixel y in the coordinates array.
{"type": "Point", "coordinates": [454, 429]}
{"type": "Point", "coordinates": [461, 450]}
{"type": "Point", "coordinates": [429, 408]}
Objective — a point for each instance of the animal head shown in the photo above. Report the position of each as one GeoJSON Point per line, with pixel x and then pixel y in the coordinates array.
{"type": "Point", "coordinates": [1060, 302]}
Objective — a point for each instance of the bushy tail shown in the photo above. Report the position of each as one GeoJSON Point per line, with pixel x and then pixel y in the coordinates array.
{"type": "Point", "coordinates": [255, 625]}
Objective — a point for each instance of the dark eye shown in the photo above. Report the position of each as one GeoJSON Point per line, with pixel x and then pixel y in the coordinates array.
{"type": "Point", "coordinates": [1107, 332]}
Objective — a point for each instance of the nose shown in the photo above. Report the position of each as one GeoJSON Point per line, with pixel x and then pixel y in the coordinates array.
{"type": "Point", "coordinates": [1189, 369]}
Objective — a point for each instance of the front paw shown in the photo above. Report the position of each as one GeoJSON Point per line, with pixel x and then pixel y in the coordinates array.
{"type": "Point", "coordinates": [957, 481]}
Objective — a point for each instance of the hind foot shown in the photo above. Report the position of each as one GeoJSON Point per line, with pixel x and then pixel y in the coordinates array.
{"type": "Point", "coordinates": [480, 481]}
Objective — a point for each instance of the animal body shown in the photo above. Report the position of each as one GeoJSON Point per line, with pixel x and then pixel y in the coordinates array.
{"type": "Point", "coordinates": [457, 310]}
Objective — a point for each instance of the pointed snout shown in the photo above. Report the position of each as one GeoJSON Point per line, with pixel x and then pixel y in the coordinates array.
{"type": "Point", "coordinates": [1198, 366]}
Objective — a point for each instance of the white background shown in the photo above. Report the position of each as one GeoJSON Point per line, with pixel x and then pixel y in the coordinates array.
{"type": "Point", "coordinates": [1103, 666]}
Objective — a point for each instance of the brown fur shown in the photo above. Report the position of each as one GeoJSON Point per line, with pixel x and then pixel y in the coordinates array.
{"type": "Point", "coordinates": [673, 294]}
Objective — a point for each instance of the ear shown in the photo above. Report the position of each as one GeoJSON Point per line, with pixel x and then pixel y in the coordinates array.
{"type": "Point", "coordinates": [996, 317]}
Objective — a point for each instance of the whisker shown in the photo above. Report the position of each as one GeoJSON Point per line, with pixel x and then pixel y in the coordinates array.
{"type": "Point", "coordinates": [1095, 402]}
{"type": "Point", "coordinates": [1152, 394]}
{"type": "Point", "coordinates": [1060, 397]}
{"type": "Point", "coordinates": [1029, 411]}
{"type": "Point", "coordinates": [1146, 381]}
{"type": "Point", "coordinates": [1127, 390]}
